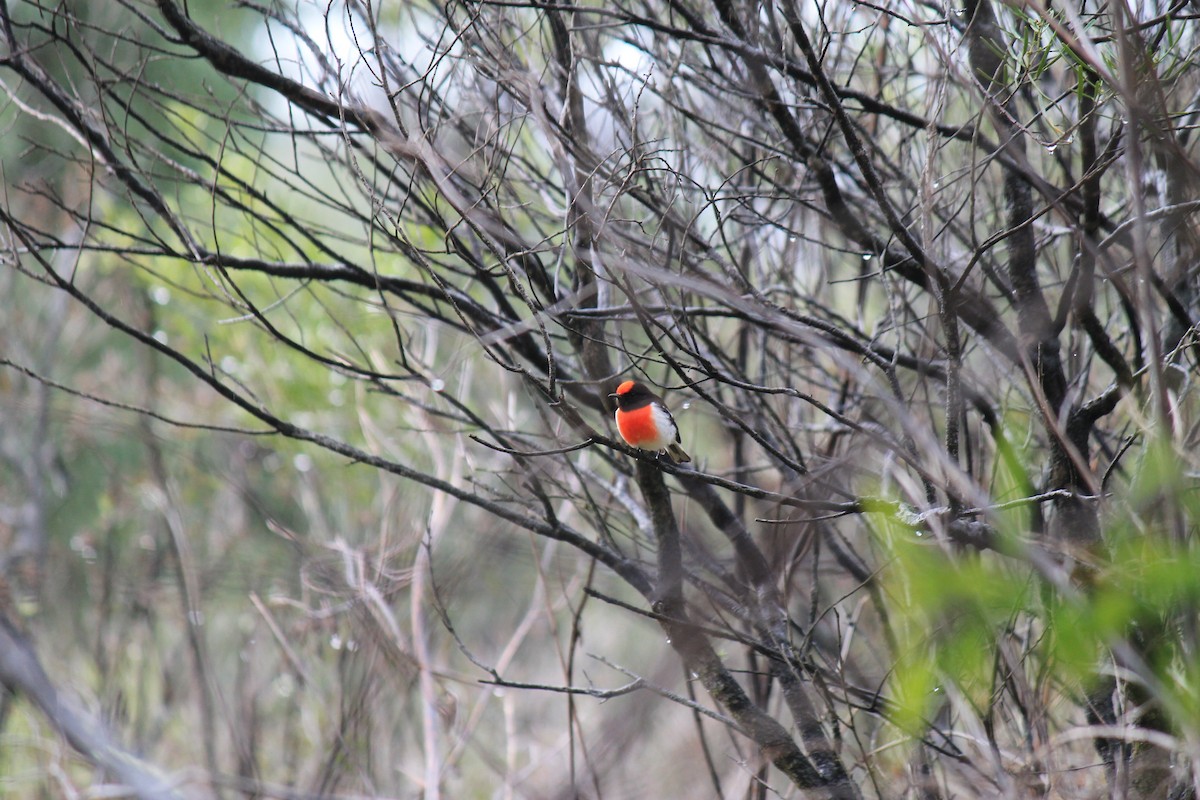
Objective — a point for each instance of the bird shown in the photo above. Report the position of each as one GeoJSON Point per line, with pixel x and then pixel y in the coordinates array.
{"type": "Point", "coordinates": [645, 423]}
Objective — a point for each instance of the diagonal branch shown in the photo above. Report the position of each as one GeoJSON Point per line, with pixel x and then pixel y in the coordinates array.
{"type": "Point", "coordinates": [21, 672]}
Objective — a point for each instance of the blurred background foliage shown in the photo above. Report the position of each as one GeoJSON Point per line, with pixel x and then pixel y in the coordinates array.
{"type": "Point", "coordinates": [205, 588]}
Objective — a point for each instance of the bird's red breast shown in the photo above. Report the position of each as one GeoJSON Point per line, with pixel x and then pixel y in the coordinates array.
{"type": "Point", "coordinates": [649, 426]}
{"type": "Point", "coordinates": [641, 428]}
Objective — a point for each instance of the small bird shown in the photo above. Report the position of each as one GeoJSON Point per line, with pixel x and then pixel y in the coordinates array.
{"type": "Point", "coordinates": [645, 423]}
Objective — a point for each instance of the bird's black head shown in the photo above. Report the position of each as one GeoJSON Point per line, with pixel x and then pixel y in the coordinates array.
{"type": "Point", "coordinates": [631, 394]}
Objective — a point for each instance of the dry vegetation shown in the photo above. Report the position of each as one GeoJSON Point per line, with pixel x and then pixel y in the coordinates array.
{"type": "Point", "coordinates": [308, 480]}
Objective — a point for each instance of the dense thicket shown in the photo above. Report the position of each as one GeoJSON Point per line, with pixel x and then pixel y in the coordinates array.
{"type": "Point", "coordinates": [314, 312]}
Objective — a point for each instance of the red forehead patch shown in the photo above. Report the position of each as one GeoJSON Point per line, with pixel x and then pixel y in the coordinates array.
{"type": "Point", "coordinates": [625, 387]}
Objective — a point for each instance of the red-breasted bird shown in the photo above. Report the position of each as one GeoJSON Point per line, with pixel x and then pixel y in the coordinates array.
{"type": "Point", "coordinates": [645, 423]}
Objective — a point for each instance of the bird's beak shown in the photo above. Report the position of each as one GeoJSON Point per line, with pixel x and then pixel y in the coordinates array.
{"type": "Point", "coordinates": [612, 394]}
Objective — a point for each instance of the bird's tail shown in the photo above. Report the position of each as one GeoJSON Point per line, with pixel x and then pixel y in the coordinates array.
{"type": "Point", "coordinates": [676, 454]}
